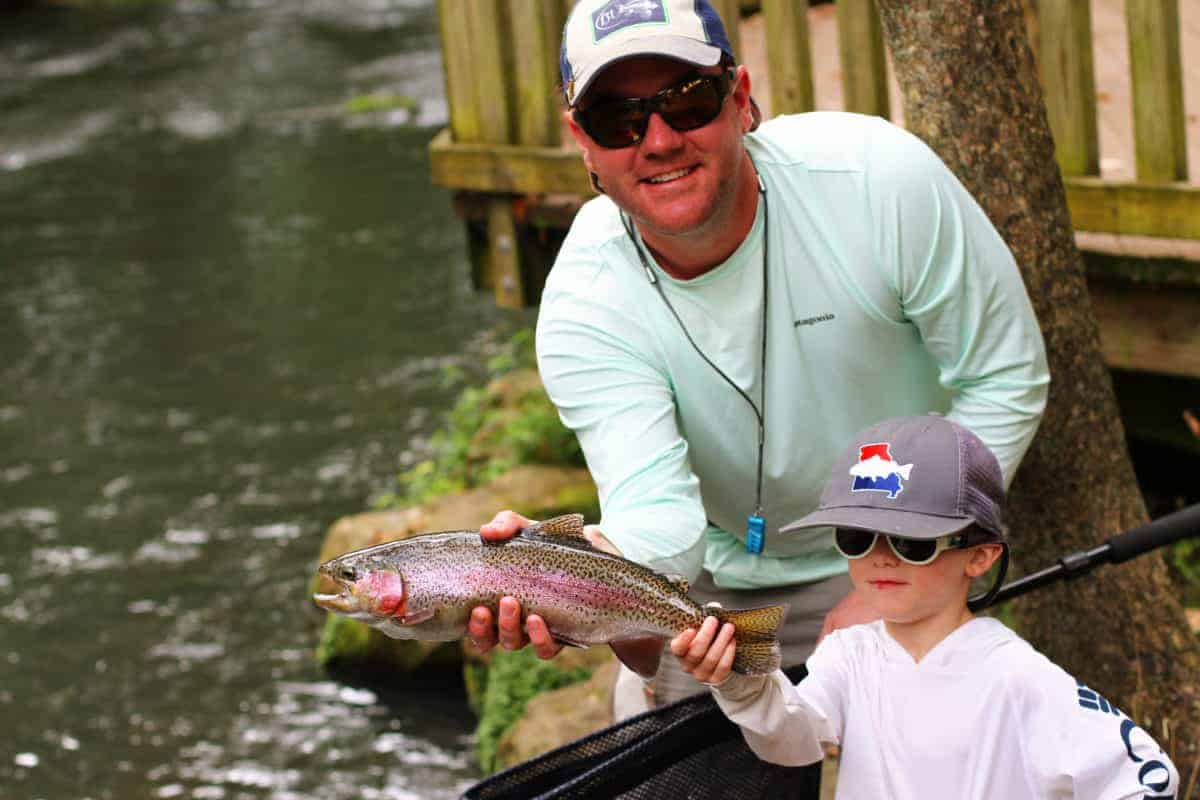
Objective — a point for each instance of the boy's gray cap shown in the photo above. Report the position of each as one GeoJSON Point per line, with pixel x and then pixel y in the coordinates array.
{"type": "Point", "coordinates": [599, 33]}
{"type": "Point", "coordinates": [917, 477]}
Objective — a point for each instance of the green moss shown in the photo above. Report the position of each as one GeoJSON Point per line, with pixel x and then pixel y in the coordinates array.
{"type": "Point", "coordinates": [1183, 562]}
{"type": "Point", "coordinates": [383, 101]}
{"type": "Point", "coordinates": [485, 435]}
{"type": "Point", "coordinates": [343, 639]}
{"type": "Point", "coordinates": [475, 680]}
{"type": "Point", "coordinates": [513, 679]}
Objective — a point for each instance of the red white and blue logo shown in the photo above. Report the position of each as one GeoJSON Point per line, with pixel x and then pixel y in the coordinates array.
{"type": "Point", "coordinates": [617, 14]}
{"type": "Point", "coordinates": [877, 471]}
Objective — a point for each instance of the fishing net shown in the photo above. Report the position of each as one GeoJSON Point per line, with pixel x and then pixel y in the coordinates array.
{"type": "Point", "coordinates": [687, 749]}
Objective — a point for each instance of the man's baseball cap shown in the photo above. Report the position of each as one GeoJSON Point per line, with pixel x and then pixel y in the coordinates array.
{"type": "Point", "coordinates": [916, 477]}
{"type": "Point", "coordinates": [599, 33]}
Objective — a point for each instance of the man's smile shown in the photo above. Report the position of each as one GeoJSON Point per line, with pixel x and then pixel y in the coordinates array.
{"type": "Point", "coordinates": [667, 177]}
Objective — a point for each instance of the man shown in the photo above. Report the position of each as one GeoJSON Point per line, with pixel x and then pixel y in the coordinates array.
{"type": "Point", "coordinates": [738, 304]}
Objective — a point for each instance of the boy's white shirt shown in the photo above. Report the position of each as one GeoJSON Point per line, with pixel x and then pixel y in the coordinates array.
{"type": "Point", "coordinates": [982, 715]}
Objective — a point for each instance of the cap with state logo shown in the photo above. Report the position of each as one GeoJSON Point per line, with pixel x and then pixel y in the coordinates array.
{"type": "Point", "coordinates": [917, 477]}
{"type": "Point", "coordinates": [599, 33]}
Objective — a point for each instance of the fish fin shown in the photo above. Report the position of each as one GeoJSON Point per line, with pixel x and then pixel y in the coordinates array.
{"type": "Point", "coordinates": [679, 582]}
{"type": "Point", "coordinates": [756, 634]}
{"type": "Point", "coordinates": [565, 525]}
{"type": "Point", "coordinates": [417, 617]}
{"type": "Point", "coordinates": [567, 641]}
{"type": "Point", "coordinates": [640, 653]}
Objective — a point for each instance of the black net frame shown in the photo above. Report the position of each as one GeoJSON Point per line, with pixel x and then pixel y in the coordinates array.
{"type": "Point", "coordinates": [687, 750]}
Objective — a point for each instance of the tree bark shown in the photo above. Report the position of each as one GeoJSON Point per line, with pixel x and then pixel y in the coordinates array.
{"type": "Point", "coordinates": [971, 92]}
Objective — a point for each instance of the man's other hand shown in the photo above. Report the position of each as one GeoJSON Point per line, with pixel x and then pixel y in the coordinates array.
{"type": "Point", "coordinates": [850, 610]}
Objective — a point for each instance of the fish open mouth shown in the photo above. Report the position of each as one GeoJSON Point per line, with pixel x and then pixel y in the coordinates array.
{"type": "Point", "coordinates": [342, 603]}
{"type": "Point", "coordinates": [344, 600]}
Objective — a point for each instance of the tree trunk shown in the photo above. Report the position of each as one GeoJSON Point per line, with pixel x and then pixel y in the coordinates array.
{"type": "Point", "coordinates": [971, 92]}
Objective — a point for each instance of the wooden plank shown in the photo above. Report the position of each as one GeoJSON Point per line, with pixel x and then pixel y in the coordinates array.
{"type": "Point", "coordinates": [1157, 76]}
{"type": "Point", "coordinates": [1170, 210]}
{"type": "Point", "coordinates": [503, 258]}
{"type": "Point", "coordinates": [790, 57]}
{"type": "Point", "coordinates": [1068, 81]}
{"type": "Point", "coordinates": [1148, 329]}
{"type": "Point", "coordinates": [731, 16]}
{"type": "Point", "coordinates": [864, 61]}
{"type": "Point", "coordinates": [506, 169]}
{"type": "Point", "coordinates": [536, 37]}
{"type": "Point", "coordinates": [490, 42]}
{"type": "Point", "coordinates": [458, 69]}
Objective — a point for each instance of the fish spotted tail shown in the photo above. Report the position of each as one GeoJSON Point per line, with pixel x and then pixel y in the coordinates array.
{"type": "Point", "coordinates": [756, 635]}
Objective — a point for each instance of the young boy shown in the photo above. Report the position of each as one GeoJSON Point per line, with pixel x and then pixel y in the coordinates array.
{"type": "Point", "coordinates": [930, 701]}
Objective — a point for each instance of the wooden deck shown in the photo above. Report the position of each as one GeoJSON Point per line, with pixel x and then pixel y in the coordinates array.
{"type": "Point", "coordinates": [1113, 101]}
{"type": "Point", "coordinates": [1142, 328]}
{"type": "Point", "coordinates": [519, 177]}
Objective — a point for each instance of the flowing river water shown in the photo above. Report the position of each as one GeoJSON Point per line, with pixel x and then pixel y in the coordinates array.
{"type": "Point", "coordinates": [226, 312]}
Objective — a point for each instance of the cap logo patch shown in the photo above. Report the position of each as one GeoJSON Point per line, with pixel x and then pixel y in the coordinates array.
{"type": "Point", "coordinates": [618, 14]}
{"type": "Point", "coordinates": [876, 471]}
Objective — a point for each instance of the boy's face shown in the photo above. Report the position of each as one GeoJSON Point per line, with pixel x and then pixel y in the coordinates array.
{"type": "Point", "coordinates": [907, 593]}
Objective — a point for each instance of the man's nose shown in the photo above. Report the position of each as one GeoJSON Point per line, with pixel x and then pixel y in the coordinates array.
{"type": "Point", "coordinates": [660, 137]}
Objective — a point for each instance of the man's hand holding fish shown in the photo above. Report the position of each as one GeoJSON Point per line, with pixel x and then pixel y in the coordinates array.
{"type": "Point", "coordinates": [508, 631]}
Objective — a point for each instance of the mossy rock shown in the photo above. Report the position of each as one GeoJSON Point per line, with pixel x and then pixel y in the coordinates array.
{"type": "Point", "coordinates": [554, 718]}
{"type": "Point", "coordinates": [345, 641]}
{"type": "Point", "coordinates": [514, 679]}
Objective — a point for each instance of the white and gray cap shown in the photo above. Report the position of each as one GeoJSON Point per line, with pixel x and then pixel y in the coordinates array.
{"type": "Point", "coordinates": [917, 477]}
{"type": "Point", "coordinates": [599, 33]}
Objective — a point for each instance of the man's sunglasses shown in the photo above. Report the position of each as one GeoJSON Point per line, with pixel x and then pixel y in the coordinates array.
{"type": "Point", "coordinates": [690, 104]}
{"type": "Point", "coordinates": [856, 544]}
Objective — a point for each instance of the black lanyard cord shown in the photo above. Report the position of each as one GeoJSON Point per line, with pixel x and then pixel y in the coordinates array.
{"type": "Point", "coordinates": [759, 413]}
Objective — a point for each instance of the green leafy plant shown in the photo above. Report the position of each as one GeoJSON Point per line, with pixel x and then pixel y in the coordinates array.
{"type": "Point", "coordinates": [515, 677]}
{"type": "Point", "coordinates": [1183, 562]}
{"type": "Point", "coordinates": [483, 436]}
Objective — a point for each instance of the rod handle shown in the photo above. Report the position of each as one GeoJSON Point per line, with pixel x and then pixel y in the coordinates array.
{"type": "Point", "coordinates": [1177, 525]}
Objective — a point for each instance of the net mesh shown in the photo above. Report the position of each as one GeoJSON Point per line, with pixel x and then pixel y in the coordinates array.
{"type": "Point", "coordinates": [687, 749]}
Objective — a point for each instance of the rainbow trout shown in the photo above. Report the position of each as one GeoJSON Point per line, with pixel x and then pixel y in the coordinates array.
{"type": "Point", "coordinates": [426, 586]}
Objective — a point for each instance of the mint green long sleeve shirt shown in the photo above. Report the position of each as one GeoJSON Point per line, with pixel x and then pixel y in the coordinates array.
{"type": "Point", "coordinates": [889, 293]}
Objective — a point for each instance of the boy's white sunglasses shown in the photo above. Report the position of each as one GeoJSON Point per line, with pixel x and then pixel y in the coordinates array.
{"type": "Point", "coordinates": [856, 544]}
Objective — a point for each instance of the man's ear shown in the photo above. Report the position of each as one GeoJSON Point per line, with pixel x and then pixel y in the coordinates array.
{"type": "Point", "coordinates": [585, 148]}
{"type": "Point", "coordinates": [981, 557]}
{"type": "Point", "coordinates": [741, 98]}
{"type": "Point", "coordinates": [582, 139]}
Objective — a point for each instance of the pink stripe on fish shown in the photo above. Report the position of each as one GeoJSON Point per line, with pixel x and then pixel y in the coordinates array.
{"type": "Point", "coordinates": [578, 589]}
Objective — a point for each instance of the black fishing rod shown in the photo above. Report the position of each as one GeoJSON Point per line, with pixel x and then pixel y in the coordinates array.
{"type": "Point", "coordinates": [1163, 531]}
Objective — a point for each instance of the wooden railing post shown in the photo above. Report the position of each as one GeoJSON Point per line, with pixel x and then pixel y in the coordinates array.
{"type": "Point", "coordinates": [536, 32]}
{"type": "Point", "coordinates": [459, 71]}
{"type": "Point", "coordinates": [490, 40]}
{"type": "Point", "coordinates": [477, 42]}
{"type": "Point", "coordinates": [1068, 81]}
{"type": "Point", "coordinates": [789, 55]}
{"type": "Point", "coordinates": [1157, 82]}
{"type": "Point", "coordinates": [864, 60]}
